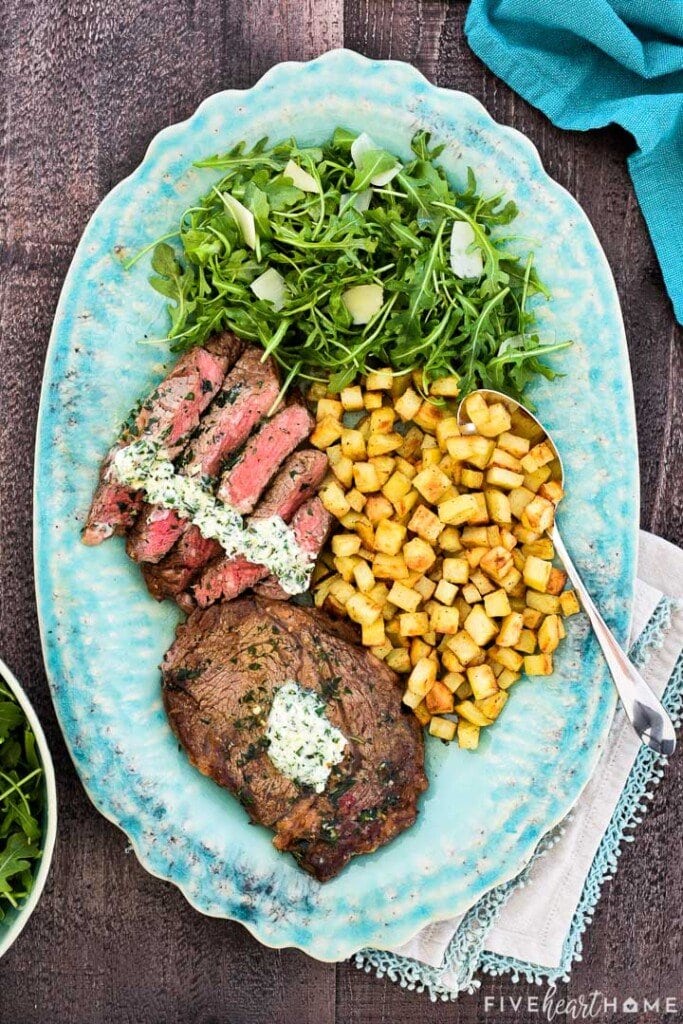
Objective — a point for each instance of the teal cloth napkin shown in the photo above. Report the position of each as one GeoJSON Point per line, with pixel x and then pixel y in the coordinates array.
{"type": "Point", "coordinates": [589, 63]}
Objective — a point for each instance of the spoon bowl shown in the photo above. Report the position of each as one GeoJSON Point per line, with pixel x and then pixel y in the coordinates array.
{"type": "Point", "coordinates": [643, 709]}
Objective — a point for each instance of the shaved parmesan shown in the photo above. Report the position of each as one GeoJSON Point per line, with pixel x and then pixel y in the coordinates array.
{"type": "Point", "coordinates": [464, 263]}
{"type": "Point", "coordinates": [358, 200]}
{"type": "Point", "coordinates": [271, 287]}
{"type": "Point", "coordinates": [363, 301]}
{"type": "Point", "coordinates": [365, 144]}
{"type": "Point", "coordinates": [300, 178]}
{"type": "Point", "coordinates": [243, 217]}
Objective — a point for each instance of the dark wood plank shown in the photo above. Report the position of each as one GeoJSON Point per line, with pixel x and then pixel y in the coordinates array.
{"type": "Point", "coordinates": [89, 86]}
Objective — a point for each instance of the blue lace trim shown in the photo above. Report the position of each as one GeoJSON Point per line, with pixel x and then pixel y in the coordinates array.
{"type": "Point", "coordinates": [466, 954]}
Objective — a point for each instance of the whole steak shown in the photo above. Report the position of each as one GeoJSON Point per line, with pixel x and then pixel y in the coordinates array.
{"type": "Point", "coordinates": [219, 680]}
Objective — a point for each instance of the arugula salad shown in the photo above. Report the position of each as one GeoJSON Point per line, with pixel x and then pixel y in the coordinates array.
{"type": "Point", "coordinates": [22, 795]}
{"type": "Point", "coordinates": [340, 258]}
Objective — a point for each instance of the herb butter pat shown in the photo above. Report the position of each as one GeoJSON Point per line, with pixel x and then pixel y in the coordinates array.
{"type": "Point", "coordinates": [303, 743]}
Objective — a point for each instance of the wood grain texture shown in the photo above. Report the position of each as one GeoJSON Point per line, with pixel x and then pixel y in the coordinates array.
{"type": "Point", "coordinates": [87, 86]}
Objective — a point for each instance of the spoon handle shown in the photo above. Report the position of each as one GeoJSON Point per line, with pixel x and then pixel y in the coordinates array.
{"type": "Point", "coordinates": [643, 709]}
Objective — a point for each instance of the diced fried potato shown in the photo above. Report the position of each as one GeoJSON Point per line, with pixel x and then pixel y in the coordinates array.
{"type": "Point", "coordinates": [405, 505]}
{"type": "Point", "coordinates": [515, 445]}
{"type": "Point", "coordinates": [557, 581]}
{"type": "Point", "coordinates": [473, 449]}
{"type": "Point", "coordinates": [445, 592]}
{"type": "Point", "coordinates": [384, 464]}
{"type": "Point", "coordinates": [539, 515]}
{"type": "Point", "coordinates": [534, 481]}
{"type": "Point", "coordinates": [412, 443]}
{"type": "Point", "coordinates": [549, 634]}
{"type": "Point", "coordinates": [428, 417]}
{"type": "Point", "coordinates": [450, 661]}
{"type": "Point", "coordinates": [424, 587]}
{"type": "Point", "coordinates": [382, 420]}
{"type": "Point", "coordinates": [526, 642]}
{"type": "Point", "coordinates": [404, 597]}
{"type": "Point", "coordinates": [352, 399]}
{"type": "Point", "coordinates": [439, 700]}
{"type": "Point", "coordinates": [373, 635]}
{"type": "Point", "coordinates": [542, 548]}
{"type": "Point", "coordinates": [482, 681]}
{"type": "Point", "coordinates": [442, 728]}
{"type": "Point", "coordinates": [531, 618]}
{"type": "Point", "coordinates": [468, 735]}
{"type": "Point", "coordinates": [356, 500]}
{"type": "Point", "coordinates": [342, 590]}
{"type": "Point", "coordinates": [389, 567]}
{"type": "Point", "coordinates": [379, 380]}
{"type": "Point", "coordinates": [345, 565]}
{"type": "Point", "coordinates": [497, 563]}
{"type": "Point", "coordinates": [353, 444]}
{"type": "Point", "coordinates": [444, 620]}
{"type": "Point", "coordinates": [372, 400]}
{"type": "Point", "coordinates": [329, 407]}
{"type": "Point", "coordinates": [333, 498]}
{"type": "Point", "coordinates": [362, 610]}
{"type": "Point", "coordinates": [422, 676]}
{"type": "Point", "coordinates": [426, 524]}
{"type": "Point", "coordinates": [506, 479]}
{"type": "Point", "coordinates": [538, 665]}
{"type": "Point", "coordinates": [569, 603]}
{"type": "Point", "coordinates": [398, 660]}
{"type": "Point", "coordinates": [464, 648]}
{"type": "Point", "coordinates": [474, 537]}
{"type": "Point", "coordinates": [382, 444]}
{"type": "Point", "coordinates": [389, 537]}
{"type": "Point", "coordinates": [467, 710]}
{"type": "Point", "coordinates": [548, 604]}
{"type": "Point", "coordinates": [410, 699]}
{"type": "Point", "coordinates": [346, 544]}
{"type": "Point", "coordinates": [511, 581]}
{"type": "Point", "coordinates": [458, 510]}
{"type": "Point", "coordinates": [492, 705]}
{"type": "Point", "coordinates": [507, 678]}
{"type": "Point", "coordinates": [431, 483]}
{"type": "Point", "coordinates": [449, 539]}
{"type": "Point", "coordinates": [365, 581]}
{"type": "Point", "coordinates": [519, 498]}
{"type": "Point", "coordinates": [419, 555]}
{"type": "Point", "coordinates": [506, 657]}
{"type": "Point", "coordinates": [456, 570]}
{"type": "Point", "coordinates": [496, 604]}
{"type": "Point", "coordinates": [473, 478]}
{"type": "Point", "coordinates": [504, 460]}
{"type": "Point", "coordinates": [397, 486]}
{"type": "Point", "coordinates": [366, 477]}
{"type": "Point", "coordinates": [540, 455]}
{"type": "Point", "coordinates": [381, 650]}
{"type": "Point", "coordinates": [378, 507]}
{"type": "Point", "coordinates": [407, 406]}
{"type": "Point", "coordinates": [510, 630]}
{"type": "Point", "coordinates": [420, 649]}
{"type": "Point", "coordinates": [366, 533]}
{"type": "Point", "coordinates": [454, 680]}
{"type": "Point", "coordinates": [327, 431]}
{"type": "Point", "coordinates": [479, 626]}
{"type": "Point", "coordinates": [498, 505]}
{"type": "Point", "coordinates": [445, 387]}
{"type": "Point", "coordinates": [413, 623]}
{"type": "Point", "coordinates": [552, 491]}
{"type": "Point", "coordinates": [537, 573]}
{"type": "Point", "coordinates": [446, 428]}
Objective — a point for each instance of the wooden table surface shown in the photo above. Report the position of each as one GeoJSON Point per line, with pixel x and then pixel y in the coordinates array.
{"type": "Point", "coordinates": [88, 84]}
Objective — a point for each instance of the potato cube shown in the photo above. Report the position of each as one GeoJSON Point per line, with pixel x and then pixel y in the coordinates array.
{"type": "Point", "coordinates": [449, 539]}
{"type": "Point", "coordinates": [515, 445]}
{"type": "Point", "coordinates": [552, 491]}
{"type": "Point", "coordinates": [482, 681]}
{"type": "Point", "coordinates": [404, 598]}
{"type": "Point", "coordinates": [412, 443]}
{"type": "Point", "coordinates": [456, 570]}
{"type": "Point", "coordinates": [498, 505]}
{"type": "Point", "coordinates": [470, 594]}
{"type": "Point", "coordinates": [492, 705]}
{"type": "Point", "coordinates": [428, 417]}
{"type": "Point", "coordinates": [444, 620]}
{"type": "Point", "coordinates": [506, 657]}
{"type": "Point", "coordinates": [496, 563]}
{"type": "Point", "coordinates": [507, 678]}
{"type": "Point", "coordinates": [327, 431]}
{"type": "Point", "coordinates": [379, 380]}
{"type": "Point", "coordinates": [569, 603]}
{"type": "Point", "coordinates": [389, 537]}
{"type": "Point", "coordinates": [426, 524]}
{"type": "Point", "coordinates": [431, 483]}
{"type": "Point", "coordinates": [557, 581]}
{"type": "Point", "coordinates": [549, 634]}
{"type": "Point", "coordinates": [537, 573]}
{"type": "Point", "coordinates": [422, 676]}
{"type": "Point", "coordinates": [419, 555]}
{"type": "Point", "coordinates": [531, 618]}
{"type": "Point", "coordinates": [445, 387]}
{"type": "Point", "coordinates": [548, 604]}
{"type": "Point", "coordinates": [473, 449]}
{"type": "Point", "coordinates": [510, 630]}
{"type": "Point", "coordinates": [328, 407]}
{"type": "Point", "coordinates": [408, 404]}
{"type": "Point", "coordinates": [398, 660]}
{"type": "Point", "coordinates": [377, 508]}
{"type": "Point", "coordinates": [382, 420]}
{"type": "Point", "coordinates": [439, 700]}
{"type": "Point", "coordinates": [519, 498]}
{"type": "Point", "coordinates": [511, 582]}
{"type": "Point", "coordinates": [442, 728]}
{"type": "Point", "coordinates": [405, 505]}
{"type": "Point", "coordinates": [381, 650]}
{"type": "Point", "coordinates": [373, 635]}
{"type": "Point", "coordinates": [458, 510]}
{"type": "Point", "coordinates": [538, 456]}
{"type": "Point", "coordinates": [333, 498]}
{"type": "Point", "coordinates": [445, 592]}
{"type": "Point", "coordinates": [413, 623]}
{"type": "Point", "coordinates": [539, 515]}
{"type": "Point", "coordinates": [468, 735]}
{"type": "Point", "coordinates": [464, 648]}
{"type": "Point", "coordinates": [372, 400]}
{"type": "Point", "coordinates": [382, 444]}
{"type": "Point", "coordinates": [472, 478]}
{"type": "Point", "coordinates": [345, 544]}
{"type": "Point", "coordinates": [496, 604]}
{"type": "Point", "coordinates": [410, 699]}
{"type": "Point", "coordinates": [362, 610]}
{"type": "Point", "coordinates": [506, 479]}
{"type": "Point", "coordinates": [526, 642]}
{"type": "Point", "coordinates": [453, 680]}
{"type": "Point", "coordinates": [450, 661]}
{"type": "Point", "coordinates": [389, 567]}
{"type": "Point", "coordinates": [356, 500]}
{"type": "Point", "coordinates": [397, 486]}
{"type": "Point", "coordinates": [499, 420]}
{"type": "Point", "coordinates": [538, 665]}
{"type": "Point", "coordinates": [366, 477]}
{"type": "Point", "coordinates": [424, 587]}
{"type": "Point", "coordinates": [352, 399]}
{"type": "Point", "coordinates": [474, 537]}
{"type": "Point", "coordinates": [504, 460]}
{"type": "Point", "coordinates": [419, 649]}
{"type": "Point", "coordinates": [384, 464]}
{"type": "Point", "coordinates": [479, 626]}
{"type": "Point", "coordinates": [365, 581]}
{"type": "Point", "coordinates": [446, 428]}
{"type": "Point", "coordinates": [467, 710]}
{"type": "Point", "coordinates": [534, 481]}
{"type": "Point", "coordinates": [542, 548]}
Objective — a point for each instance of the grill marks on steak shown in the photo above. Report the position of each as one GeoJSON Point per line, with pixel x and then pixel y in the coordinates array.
{"type": "Point", "coordinates": [243, 484]}
{"type": "Point", "coordinates": [167, 417]}
{"type": "Point", "coordinates": [219, 679]}
{"type": "Point", "coordinates": [297, 481]}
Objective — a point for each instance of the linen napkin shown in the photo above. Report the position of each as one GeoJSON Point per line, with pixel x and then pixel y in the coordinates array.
{"type": "Point", "coordinates": [532, 926]}
{"type": "Point", "coordinates": [589, 63]}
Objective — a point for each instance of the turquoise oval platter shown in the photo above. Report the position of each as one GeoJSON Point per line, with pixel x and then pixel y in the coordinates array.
{"type": "Point", "coordinates": [103, 636]}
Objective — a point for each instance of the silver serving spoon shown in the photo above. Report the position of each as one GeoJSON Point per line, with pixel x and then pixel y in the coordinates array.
{"type": "Point", "coordinates": [643, 709]}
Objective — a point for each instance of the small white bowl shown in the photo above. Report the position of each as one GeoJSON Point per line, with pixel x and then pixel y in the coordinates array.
{"type": "Point", "coordinates": [15, 920]}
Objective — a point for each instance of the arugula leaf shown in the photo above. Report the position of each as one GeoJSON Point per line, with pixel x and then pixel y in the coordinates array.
{"type": "Point", "coordinates": [372, 163]}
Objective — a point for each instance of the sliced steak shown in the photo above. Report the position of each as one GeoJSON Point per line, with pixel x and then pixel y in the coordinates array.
{"type": "Point", "coordinates": [247, 394]}
{"type": "Point", "coordinates": [168, 417]}
{"type": "Point", "coordinates": [311, 525]}
{"type": "Point", "coordinates": [297, 481]}
{"type": "Point", "coordinates": [219, 680]}
{"type": "Point", "coordinates": [243, 484]}
{"type": "Point", "coordinates": [178, 569]}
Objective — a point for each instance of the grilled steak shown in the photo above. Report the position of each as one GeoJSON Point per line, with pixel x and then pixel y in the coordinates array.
{"type": "Point", "coordinates": [311, 524]}
{"type": "Point", "coordinates": [243, 484]}
{"type": "Point", "coordinates": [168, 416]}
{"type": "Point", "coordinates": [247, 393]}
{"type": "Point", "coordinates": [179, 568]}
{"type": "Point", "coordinates": [219, 680]}
{"type": "Point", "coordinates": [297, 481]}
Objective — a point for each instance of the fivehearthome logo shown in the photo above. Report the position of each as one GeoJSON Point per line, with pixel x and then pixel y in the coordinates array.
{"type": "Point", "coordinates": [594, 1005]}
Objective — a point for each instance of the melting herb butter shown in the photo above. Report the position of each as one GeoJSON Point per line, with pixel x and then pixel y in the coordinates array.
{"type": "Point", "coordinates": [268, 542]}
{"type": "Point", "coordinates": [303, 743]}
